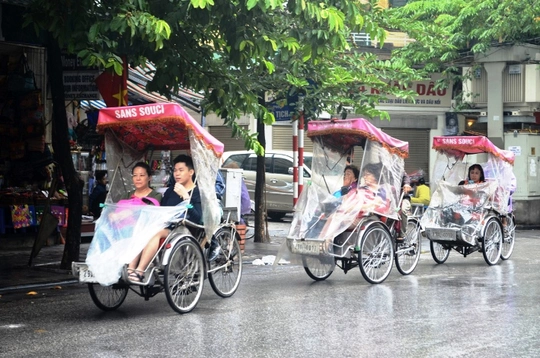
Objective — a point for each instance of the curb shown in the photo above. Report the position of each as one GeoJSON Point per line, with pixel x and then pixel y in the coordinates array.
{"type": "Point", "coordinates": [13, 289]}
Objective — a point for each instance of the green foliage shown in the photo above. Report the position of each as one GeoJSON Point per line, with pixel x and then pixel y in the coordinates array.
{"type": "Point", "coordinates": [233, 51]}
{"type": "Point", "coordinates": [445, 29]}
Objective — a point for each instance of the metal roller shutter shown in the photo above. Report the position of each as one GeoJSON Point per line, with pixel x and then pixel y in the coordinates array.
{"type": "Point", "coordinates": [282, 139]}
{"type": "Point", "coordinates": [223, 134]}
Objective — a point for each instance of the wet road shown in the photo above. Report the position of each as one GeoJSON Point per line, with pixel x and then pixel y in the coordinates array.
{"type": "Point", "coordinates": [462, 308]}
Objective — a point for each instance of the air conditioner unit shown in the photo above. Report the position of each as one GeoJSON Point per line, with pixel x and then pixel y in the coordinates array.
{"type": "Point", "coordinates": [483, 114]}
{"type": "Point", "coordinates": [516, 113]}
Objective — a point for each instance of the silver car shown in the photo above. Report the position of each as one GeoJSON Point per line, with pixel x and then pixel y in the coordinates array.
{"type": "Point", "coordinates": [279, 177]}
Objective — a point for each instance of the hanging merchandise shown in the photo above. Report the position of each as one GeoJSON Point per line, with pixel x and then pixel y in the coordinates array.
{"type": "Point", "coordinates": [22, 80]}
{"type": "Point", "coordinates": [20, 216]}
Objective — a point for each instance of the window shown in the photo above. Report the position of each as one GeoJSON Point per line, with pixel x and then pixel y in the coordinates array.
{"type": "Point", "coordinates": [251, 163]}
{"type": "Point", "coordinates": [308, 161]}
{"type": "Point", "coordinates": [268, 163]}
{"type": "Point", "coordinates": [235, 158]}
{"type": "Point", "coordinates": [282, 165]}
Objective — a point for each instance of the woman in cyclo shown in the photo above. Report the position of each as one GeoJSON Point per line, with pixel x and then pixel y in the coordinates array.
{"type": "Point", "coordinates": [475, 176]}
{"type": "Point", "coordinates": [350, 180]}
{"type": "Point", "coordinates": [464, 210]}
{"type": "Point", "coordinates": [180, 190]}
{"type": "Point", "coordinates": [369, 196]}
{"type": "Point", "coordinates": [141, 175]}
{"type": "Point", "coordinates": [327, 207]}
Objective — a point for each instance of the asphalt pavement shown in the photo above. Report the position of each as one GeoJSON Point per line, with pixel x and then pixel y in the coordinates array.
{"type": "Point", "coordinates": [17, 276]}
{"type": "Point", "coordinates": [45, 272]}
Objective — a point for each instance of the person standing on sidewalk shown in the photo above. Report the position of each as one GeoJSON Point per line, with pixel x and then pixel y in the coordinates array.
{"type": "Point", "coordinates": [98, 194]}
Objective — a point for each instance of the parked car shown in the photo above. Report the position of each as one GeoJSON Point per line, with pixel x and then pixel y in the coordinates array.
{"type": "Point", "coordinates": [279, 177]}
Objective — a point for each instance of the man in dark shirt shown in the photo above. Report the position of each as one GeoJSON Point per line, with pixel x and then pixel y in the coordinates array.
{"type": "Point", "coordinates": [99, 193]}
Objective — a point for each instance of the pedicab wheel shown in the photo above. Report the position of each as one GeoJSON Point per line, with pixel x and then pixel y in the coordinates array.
{"type": "Point", "coordinates": [107, 298]}
{"type": "Point", "coordinates": [408, 253]}
{"type": "Point", "coordinates": [376, 255]}
{"type": "Point", "coordinates": [509, 238]}
{"type": "Point", "coordinates": [317, 269]}
{"type": "Point", "coordinates": [492, 241]}
{"type": "Point", "coordinates": [250, 226]}
{"type": "Point", "coordinates": [250, 231]}
{"type": "Point", "coordinates": [225, 280]}
{"type": "Point", "coordinates": [184, 275]}
{"type": "Point", "coordinates": [439, 252]}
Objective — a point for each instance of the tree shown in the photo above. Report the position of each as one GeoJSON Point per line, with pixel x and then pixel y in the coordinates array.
{"type": "Point", "coordinates": [234, 51]}
{"type": "Point", "coordinates": [449, 33]}
{"type": "Point", "coordinates": [65, 31]}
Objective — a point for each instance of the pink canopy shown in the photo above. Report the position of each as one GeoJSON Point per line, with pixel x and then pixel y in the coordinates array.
{"type": "Point", "coordinates": [461, 145]}
{"type": "Point", "coordinates": [343, 134]}
{"type": "Point", "coordinates": [156, 125]}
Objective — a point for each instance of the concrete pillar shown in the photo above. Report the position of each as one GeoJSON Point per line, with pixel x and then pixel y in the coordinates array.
{"type": "Point", "coordinates": [495, 113]}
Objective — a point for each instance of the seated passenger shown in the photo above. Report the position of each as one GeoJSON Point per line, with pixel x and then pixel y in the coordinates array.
{"type": "Point", "coordinates": [182, 189]}
{"type": "Point", "coordinates": [327, 207]}
{"type": "Point", "coordinates": [369, 193]}
{"type": "Point", "coordinates": [465, 210]}
{"type": "Point", "coordinates": [370, 186]}
{"type": "Point", "coordinates": [350, 180]}
{"type": "Point", "coordinates": [368, 197]}
{"type": "Point", "coordinates": [422, 194]}
{"type": "Point", "coordinates": [405, 208]}
{"type": "Point", "coordinates": [476, 175]}
{"type": "Point", "coordinates": [141, 174]}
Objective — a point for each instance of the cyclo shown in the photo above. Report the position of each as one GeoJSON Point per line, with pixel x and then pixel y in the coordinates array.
{"type": "Point", "coordinates": [470, 217]}
{"type": "Point", "coordinates": [180, 266]}
{"type": "Point", "coordinates": [360, 227]}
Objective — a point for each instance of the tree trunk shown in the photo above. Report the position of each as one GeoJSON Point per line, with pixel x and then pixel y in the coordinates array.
{"type": "Point", "coordinates": [261, 232]}
{"type": "Point", "coordinates": [62, 155]}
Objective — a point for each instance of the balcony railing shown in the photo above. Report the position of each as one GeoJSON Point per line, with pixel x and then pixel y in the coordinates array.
{"type": "Point", "coordinates": [395, 39]}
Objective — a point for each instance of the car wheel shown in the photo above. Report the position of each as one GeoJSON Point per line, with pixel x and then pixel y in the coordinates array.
{"type": "Point", "coordinates": [276, 215]}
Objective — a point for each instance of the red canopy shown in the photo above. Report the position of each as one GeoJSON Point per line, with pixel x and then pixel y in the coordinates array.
{"type": "Point", "coordinates": [461, 145]}
{"type": "Point", "coordinates": [156, 125]}
{"type": "Point", "coordinates": [346, 133]}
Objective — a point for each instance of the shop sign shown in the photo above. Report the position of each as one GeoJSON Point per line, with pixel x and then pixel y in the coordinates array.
{"type": "Point", "coordinates": [79, 80]}
{"type": "Point", "coordinates": [74, 63]}
{"type": "Point", "coordinates": [427, 95]}
{"type": "Point", "coordinates": [282, 111]}
{"type": "Point", "coordinates": [81, 85]}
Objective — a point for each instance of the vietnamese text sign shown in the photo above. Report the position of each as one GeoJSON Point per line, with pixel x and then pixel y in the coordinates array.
{"type": "Point", "coordinates": [427, 95]}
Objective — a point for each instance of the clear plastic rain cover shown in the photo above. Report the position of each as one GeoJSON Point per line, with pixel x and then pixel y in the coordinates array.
{"type": "Point", "coordinates": [464, 206]}
{"type": "Point", "coordinates": [117, 242]}
{"type": "Point", "coordinates": [122, 231]}
{"type": "Point", "coordinates": [321, 213]}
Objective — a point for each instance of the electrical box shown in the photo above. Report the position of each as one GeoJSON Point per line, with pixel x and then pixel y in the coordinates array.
{"type": "Point", "coordinates": [526, 147]}
{"type": "Point", "coordinates": [233, 191]}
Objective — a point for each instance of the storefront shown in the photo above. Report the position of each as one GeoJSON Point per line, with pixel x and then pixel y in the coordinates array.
{"type": "Point", "coordinates": [25, 150]}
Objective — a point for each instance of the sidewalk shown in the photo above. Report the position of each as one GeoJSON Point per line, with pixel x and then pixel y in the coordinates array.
{"type": "Point", "coordinates": [16, 275]}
